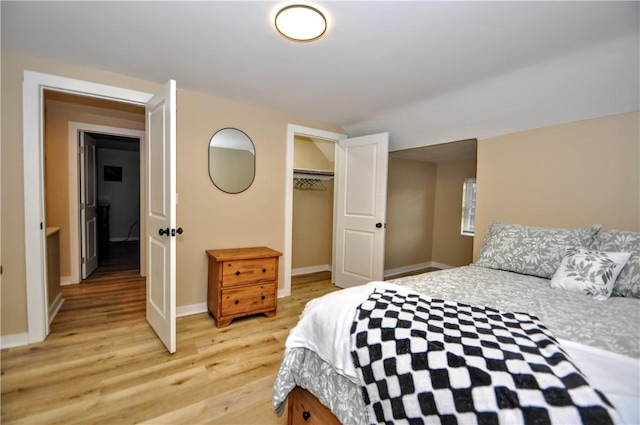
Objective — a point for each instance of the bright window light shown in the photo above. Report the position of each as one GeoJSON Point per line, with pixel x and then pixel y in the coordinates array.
{"type": "Point", "coordinates": [469, 207]}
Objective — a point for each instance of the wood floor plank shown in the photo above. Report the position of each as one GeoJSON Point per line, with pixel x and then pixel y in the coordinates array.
{"type": "Point", "coordinates": [103, 364]}
{"type": "Point", "coordinates": [196, 413]}
{"type": "Point", "coordinates": [248, 401]}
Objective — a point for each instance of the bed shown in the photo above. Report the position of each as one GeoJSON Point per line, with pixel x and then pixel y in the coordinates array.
{"type": "Point", "coordinates": [521, 270]}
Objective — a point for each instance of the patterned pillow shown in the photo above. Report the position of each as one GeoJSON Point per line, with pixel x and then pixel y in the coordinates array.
{"type": "Point", "coordinates": [535, 251]}
{"type": "Point", "coordinates": [628, 283]}
{"type": "Point", "coordinates": [589, 272]}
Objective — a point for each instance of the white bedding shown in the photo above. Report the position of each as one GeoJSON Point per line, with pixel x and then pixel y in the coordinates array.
{"type": "Point", "coordinates": [616, 375]}
{"type": "Point", "coordinates": [325, 324]}
{"type": "Point", "coordinates": [324, 328]}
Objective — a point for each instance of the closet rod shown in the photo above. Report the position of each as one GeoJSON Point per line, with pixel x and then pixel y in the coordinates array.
{"type": "Point", "coordinates": [313, 172]}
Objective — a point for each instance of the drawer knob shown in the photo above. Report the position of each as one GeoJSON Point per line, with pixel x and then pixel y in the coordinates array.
{"type": "Point", "coordinates": [237, 301]}
{"type": "Point", "coordinates": [264, 270]}
{"type": "Point", "coordinates": [262, 297]}
{"type": "Point", "coordinates": [306, 415]}
{"type": "Point", "coordinates": [238, 273]}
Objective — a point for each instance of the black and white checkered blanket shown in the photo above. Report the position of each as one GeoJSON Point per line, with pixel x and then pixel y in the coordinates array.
{"type": "Point", "coordinates": [424, 361]}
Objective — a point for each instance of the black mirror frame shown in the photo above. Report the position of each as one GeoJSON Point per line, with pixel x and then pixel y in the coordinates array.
{"type": "Point", "coordinates": [209, 160]}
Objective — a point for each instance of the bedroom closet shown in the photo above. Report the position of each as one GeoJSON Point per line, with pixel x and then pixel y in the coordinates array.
{"type": "Point", "coordinates": [312, 226]}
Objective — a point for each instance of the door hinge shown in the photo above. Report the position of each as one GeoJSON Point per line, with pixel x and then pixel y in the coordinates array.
{"type": "Point", "coordinates": [41, 226]}
{"type": "Point", "coordinates": [81, 205]}
{"type": "Point", "coordinates": [81, 150]}
{"type": "Point", "coordinates": [84, 260]}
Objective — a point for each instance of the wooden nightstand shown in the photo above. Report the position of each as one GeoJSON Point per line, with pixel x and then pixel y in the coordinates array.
{"type": "Point", "coordinates": [305, 409]}
{"type": "Point", "coordinates": [242, 281]}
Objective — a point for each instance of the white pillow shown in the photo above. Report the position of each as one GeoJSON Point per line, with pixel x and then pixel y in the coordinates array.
{"type": "Point", "coordinates": [592, 273]}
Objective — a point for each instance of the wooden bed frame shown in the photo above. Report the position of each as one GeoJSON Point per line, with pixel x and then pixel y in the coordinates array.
{"type": "Point", "coordinates": [304, 409]}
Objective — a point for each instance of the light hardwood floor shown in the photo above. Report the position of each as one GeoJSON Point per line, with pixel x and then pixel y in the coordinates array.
{"type": "Point", "coordinates": [103, 364]}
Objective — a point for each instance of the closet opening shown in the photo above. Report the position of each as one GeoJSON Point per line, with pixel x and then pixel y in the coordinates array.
{"type": "Point", "coordinates": [320, 146]}
{"type": "Point", "coordinates": [313, 199]}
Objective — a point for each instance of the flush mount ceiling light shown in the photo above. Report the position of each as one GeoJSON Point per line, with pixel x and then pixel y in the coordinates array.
{"type": "Point", "coordinates": [301, 22]}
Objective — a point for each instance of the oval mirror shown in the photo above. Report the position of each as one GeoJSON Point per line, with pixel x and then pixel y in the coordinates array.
{"type": "Point", "coordinates": [232, 160]}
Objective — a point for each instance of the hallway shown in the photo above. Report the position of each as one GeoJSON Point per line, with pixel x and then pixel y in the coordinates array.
{"type": "Point", "coordinates": [120, 257]}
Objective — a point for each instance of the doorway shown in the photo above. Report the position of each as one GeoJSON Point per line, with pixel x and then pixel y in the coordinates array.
{"type": "Point", "coordinates": [117, 232]}
{"type": "Point", "coordinates": [34, 86]}
{"type": "Point", "coordinates": [116, 129]}
{"type": "Point", "coordinates": [312, 235]}
{"type": "Point", "coordinates": [160, 195]}
{"type": "Point", "coordinates": [359, 205]}
{"type": "Point", "coordinates": [294, 131]}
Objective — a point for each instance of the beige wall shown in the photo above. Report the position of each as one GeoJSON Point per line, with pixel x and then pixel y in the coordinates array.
{"type": "Point", "coordinates": [58, 114]}
{"type": "Point", "coordinates": [449, 246]}
{"type": "Point", "coordinates": [210, 218]}
{"type": "Point", "coordinates": [312, 235]}
{"type": "Point", "coordinates": [410, 206]}
{"type": "Point", "coordinates": [568, 175]}
{"type": "Point", "coordinates": [307, 155]}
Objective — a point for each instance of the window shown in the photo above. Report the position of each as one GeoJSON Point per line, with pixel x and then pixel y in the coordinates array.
{"type": "Point", "coordinates": [469, 206]}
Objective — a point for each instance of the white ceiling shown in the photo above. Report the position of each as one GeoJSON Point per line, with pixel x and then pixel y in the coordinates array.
{"type": "Point", "coordinates": [463, 150]}
{"type": "Point", "coordinates": [426, 72]}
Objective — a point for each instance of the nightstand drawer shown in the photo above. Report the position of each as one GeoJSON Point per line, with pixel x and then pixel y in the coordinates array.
{"type": "Point", "coordinates": [240, 272]}
{"type": "Point", "coordinates": [305, 409]}
{"type": "Point", "coordinates": [249, 299]}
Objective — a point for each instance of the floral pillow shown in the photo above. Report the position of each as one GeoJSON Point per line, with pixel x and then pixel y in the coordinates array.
{"type": "Point", "coordinates": [628, 283]}
{"type": "Point", "coordinates": [535, 251]}
{"type": "Point", "coordinates": [589, 272]}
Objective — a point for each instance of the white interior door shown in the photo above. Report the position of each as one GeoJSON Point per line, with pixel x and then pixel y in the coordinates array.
{"type": "Point", "coordinates": [88, 204]}
{"type": "Point", "coordinates": [161, 214]}
{"type": "Point", "coordinates": [361, 209]}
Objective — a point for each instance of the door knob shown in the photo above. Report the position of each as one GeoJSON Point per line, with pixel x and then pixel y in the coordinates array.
{"type": "Point", "coordinates": [163, 231]}
{"type": "Point", "coordinates": [178, 231]}
{"type": "Point", "coordinates": [379, 225]}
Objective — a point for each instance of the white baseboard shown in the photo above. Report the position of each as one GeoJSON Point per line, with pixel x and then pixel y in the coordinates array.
{"type": "Point", "coordinates": [414, 267]}
{"type": "Point", "coordinates": [312, 269]}
{"type": "Point", "coordinates": [55, 307]}
{"type": "Point", "coordinates": [188, 310]}
{"type": "Point", "coordinates": [15, 340]}
{"type": "Point", "coordinates": [387, 273]}
{"type": "Point", "coordinates": [441, 266]}
{"type": "Point", "coordinates": [67, 280]}
{"type": "Point", "coordinates": [282, 293]}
